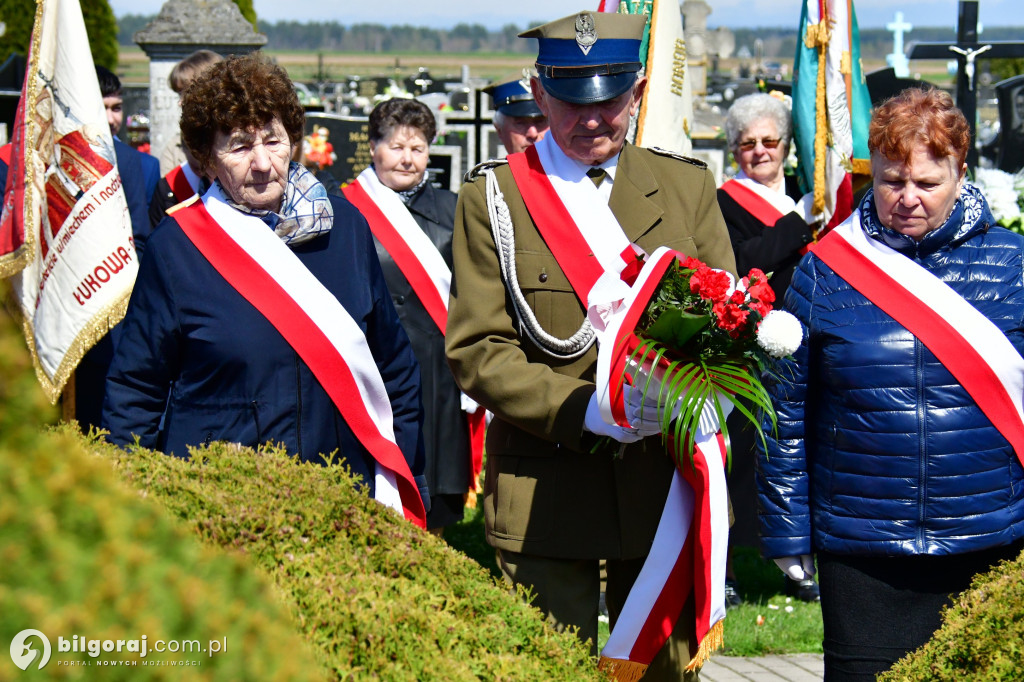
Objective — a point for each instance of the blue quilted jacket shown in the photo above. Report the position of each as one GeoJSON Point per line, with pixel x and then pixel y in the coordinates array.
{"type": "Point", "coordinates": [879, 450]}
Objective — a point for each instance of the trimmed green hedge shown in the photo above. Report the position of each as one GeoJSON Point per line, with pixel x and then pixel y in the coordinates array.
{"type": "Point", "coordinates": [83, 555]}
{"type": "Point", "coordinates": [377, 597]}
{"type": "Point", "coordinates": [292, 563]}
{"type": "Point", "coordinates": [982, 634]}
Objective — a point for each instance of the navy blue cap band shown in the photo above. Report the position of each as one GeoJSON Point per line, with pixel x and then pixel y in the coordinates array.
{"type": "Point", "coordinates": [563, 52]}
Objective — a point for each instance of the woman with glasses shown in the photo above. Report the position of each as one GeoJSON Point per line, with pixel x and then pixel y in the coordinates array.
{"type": "Point", "coordinates": [770, 226]}
{"type": "Point", "coordinates": [769, 222]}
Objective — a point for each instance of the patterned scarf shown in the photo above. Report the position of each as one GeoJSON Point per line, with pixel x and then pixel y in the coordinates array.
{"type": "Point", "coordinates": [306, 211]}
{"type": "Point", "coordinates": [969, 212]}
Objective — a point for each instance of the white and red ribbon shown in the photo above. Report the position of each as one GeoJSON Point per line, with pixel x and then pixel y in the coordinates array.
{"type": "Point", "coordinates": [255, 261]}
{"type": "Point", "coordinates": [974, 350]}
{"type": "Point", "coordinates": [413, 252]}
{"type": "Point", "coordinates": [690, 545]}
{"type": "Point", "coordinates": [690, 550]}
{"type": "Point", "coordinates": [600, 264]}
{"type": "Point", "coordinates": [183, 181]}
{"type": "Point", "coordinates": [422, 265]}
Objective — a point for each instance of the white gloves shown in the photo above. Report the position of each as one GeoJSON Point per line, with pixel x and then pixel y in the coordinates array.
{"type": "Point", "coordinates": [804, 209]}
{"type": "Point", "coordinates": [595, 423]}
{"type": "Point", "coordinates": [643, 412]}
{"type": "Point", "coordinates": [796, 567]}
{"type": "Point", "coordinates": [469, 406]}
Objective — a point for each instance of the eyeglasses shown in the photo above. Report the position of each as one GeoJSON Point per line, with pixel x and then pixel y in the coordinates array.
{"type": "Point", "coordinates": [766, 142]}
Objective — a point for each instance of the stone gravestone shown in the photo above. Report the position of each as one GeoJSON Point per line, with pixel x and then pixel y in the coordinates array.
{"type": "Point", "coordinates": [12, 77]}
{"type": "Point", "coordinates": [350, 137]}
{"type": "Point", "coordinates": [1010, 93]}
{"type": "Point", "coordinates": [884, 83]}
{"type": "Point", "coordinates": [695, 31]}
{"type": "Point", "coordinates": [181, 28]}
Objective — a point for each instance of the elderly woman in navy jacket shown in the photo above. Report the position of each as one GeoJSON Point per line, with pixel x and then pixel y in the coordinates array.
{"type": "Point", "coordinates": [260, 313]}
{"type": "Point", "coordinates": [897, 455]}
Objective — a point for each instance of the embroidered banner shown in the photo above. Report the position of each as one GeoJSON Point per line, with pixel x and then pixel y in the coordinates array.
{"type": "Point", "coordinates": [66, 234]}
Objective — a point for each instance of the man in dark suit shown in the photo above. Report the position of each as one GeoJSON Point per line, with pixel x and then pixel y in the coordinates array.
{"type": "Point", "coordinates": [557, 501]}
{"type": "Point", "coordinates": [139, 174]}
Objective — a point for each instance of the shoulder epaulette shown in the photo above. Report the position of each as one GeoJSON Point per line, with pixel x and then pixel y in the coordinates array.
{"type": "Point", "coordinates": [478, 169]}
{"type": "Point", "coordinates": [188, 202]}
{"type": "Point", "coordinates": [676, 155]}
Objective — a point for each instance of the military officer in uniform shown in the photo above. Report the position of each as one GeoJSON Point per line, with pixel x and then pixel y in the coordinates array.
{"type": "Point", "coordinates": [558, 498]}
{"type": "Point", "coordinates": [517, 119]}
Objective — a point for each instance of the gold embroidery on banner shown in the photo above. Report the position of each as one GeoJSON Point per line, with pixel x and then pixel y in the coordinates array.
{"type": "Point", "coordinates": [97, 327]}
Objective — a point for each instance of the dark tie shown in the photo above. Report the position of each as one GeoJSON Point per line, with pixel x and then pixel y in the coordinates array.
{"type": "Point", "coordinates": [597, 175]}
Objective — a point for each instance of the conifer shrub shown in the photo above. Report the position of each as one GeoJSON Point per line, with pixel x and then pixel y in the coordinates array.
{"type": "Point", "coordinates": [981, 635]}
{"type": "Point", "coordinates": [292, 564]}
{"type": "Point", "coordinates": [83, 555]}
{"type": "Point", "coordinates": [377, 597]}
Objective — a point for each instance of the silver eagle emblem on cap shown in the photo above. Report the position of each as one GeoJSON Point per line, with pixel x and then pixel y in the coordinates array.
{"type": "Point", "coordinates": [525, 80]}
{"type": "Point", "coordinates": [586, 32]}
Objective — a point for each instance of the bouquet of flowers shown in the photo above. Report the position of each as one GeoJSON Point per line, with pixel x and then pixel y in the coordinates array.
{"type": "Point", "coordinates": [703, 337]}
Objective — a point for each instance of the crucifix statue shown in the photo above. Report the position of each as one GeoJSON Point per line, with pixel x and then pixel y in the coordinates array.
{"type": "Point", "coordinates": [967, 49]}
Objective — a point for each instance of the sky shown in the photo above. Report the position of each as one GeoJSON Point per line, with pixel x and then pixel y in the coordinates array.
{"type": "Point", "coordinates": [525, 13]}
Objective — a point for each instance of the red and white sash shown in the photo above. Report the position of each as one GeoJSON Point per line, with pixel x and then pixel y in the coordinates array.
{"type": "Point", "coordinates": [757, 200]}
{"type": "Point", "coordinates": [968, 344]}
{"type": "Point", "coordinates": [183, 181]}
{"type": "Point", "coordinates": [413, 252]}
{"type": "Point", "coordinates": [576, 223]}
{"type": "Point", "coordinates": [257, 264]}
{"type": "Point", "coordinates": [421, 264]}
{"type": "Point", "coordinates": [600, 263]}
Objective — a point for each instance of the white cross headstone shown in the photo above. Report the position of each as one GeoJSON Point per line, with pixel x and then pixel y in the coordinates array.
{"type": "Point", "coordinates": [898, 60]}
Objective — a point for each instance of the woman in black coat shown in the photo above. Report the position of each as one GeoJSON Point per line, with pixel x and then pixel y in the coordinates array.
{"type": "Point", "coordinates": [412, 223]}
{"type": "Point", "coordinates": [770, 226]}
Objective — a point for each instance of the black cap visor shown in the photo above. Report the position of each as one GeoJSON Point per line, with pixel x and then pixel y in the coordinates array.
{"type": "Point", "coordinates": [588, 89]}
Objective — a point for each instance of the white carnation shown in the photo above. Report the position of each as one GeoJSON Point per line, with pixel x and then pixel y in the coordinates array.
{"type": "Point", "coordinates": [1000, 191]}
{"type": "Point", "coordinates": [779, 334]}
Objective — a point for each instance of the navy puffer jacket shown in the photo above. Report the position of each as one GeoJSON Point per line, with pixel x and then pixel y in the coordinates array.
{"type": "Point", "coordinates": [879, 450]}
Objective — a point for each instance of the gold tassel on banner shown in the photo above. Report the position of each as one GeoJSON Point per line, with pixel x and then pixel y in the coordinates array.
{"type": "Point", "coordinates": [712, 641]}
{"type": "Point", "coordinates": [622, 670]}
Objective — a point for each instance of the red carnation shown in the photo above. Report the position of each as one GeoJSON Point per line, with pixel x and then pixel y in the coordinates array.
{"type": "Point", "coordinates": [731, 318]}
{"type": "Point", "coordinates": [711, 285]}
{"type": "Point", "coordinates": [691, 263]}
{"type": "Point", "coordinates": [758, 287]}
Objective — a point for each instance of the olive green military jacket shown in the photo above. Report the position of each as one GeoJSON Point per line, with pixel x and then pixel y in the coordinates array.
{"type": "Point", "coordinates": [546, 493]}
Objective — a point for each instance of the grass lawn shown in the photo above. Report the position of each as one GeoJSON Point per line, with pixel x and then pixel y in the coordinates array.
{"type": "Point", "coordinates": [789, 625]}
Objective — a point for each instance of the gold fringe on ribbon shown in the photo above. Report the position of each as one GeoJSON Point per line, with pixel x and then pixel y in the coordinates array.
{"type": "Point", "coordinates": [622, 670]}
{"type": "Point", "coordinates": [711, 642]}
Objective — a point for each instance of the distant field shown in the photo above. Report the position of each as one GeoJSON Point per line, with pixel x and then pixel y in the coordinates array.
{"type": "Point", "coordinates": [303, 66]}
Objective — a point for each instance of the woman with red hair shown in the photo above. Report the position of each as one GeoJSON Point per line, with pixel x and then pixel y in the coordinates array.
{"type": "Point", "coordinates": [900, 424]}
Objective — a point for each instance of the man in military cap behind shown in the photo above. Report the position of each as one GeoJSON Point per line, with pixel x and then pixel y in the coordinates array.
{"type": "Point", "coordinates": [563, 488]}
{"type": "Point", "coordinates": [517, 118]}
